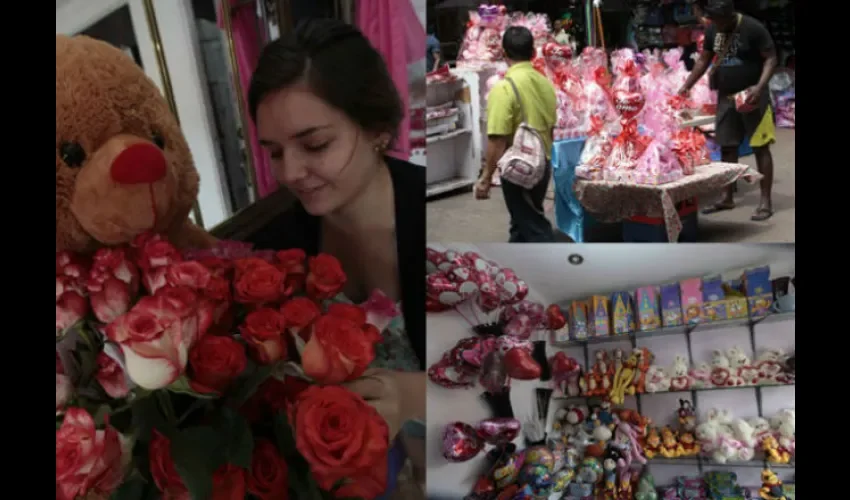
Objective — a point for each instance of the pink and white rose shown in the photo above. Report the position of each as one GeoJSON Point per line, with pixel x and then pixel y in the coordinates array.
{"type": "Point", "coordinates": [64, 388]}
{"type": "Point", "coordinates": [112, 283]}
{"type": "Point", "coordinates": [111, 376]}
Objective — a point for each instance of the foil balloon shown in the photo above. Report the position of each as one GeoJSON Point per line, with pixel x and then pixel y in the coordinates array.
{"type": "Point", "coordinates": [520, 365]}
{"type": "Point", "coordinates": [488, 293]}
{"type": "Point", "coordinates": [540, 455]}
{"type": "Point", "coordinates": [534, 310]}
{"type": "Point", "coordinates": [465, 277]}
{"type": "Point", "coordinates": [432, 305]}
{"type": "Point", "coordinates": [562, 480]}
{"type": "Point", "coordinates": [474, 356]}
{"type": "Point", "coordinates": [454, 259]}
{"type": "Point", "coordinates": [519, 326]}
{"type": "Point", "coordinates": [433, 259]}
{"type": "Point", "coordinates": [506, 471]}
{"type": "Point", "coordinates": [481, 264]}
{"type": "Point", "coordinates": [511, 288]}
{"type": "Point", "coordinates": [461, 442]}
{"type": "Point", "coordinates": [493, 375]}
{"type": "Point", "coordinates": [590, 471]}
{"type": "Point", "coordinates": [498, 430]}
{"type": "Point", "coordinates": [537, 478]}
{"type": "Point", "coordinates": [439, 288]}
{"type": "Point", "coordinates": [445, 374]}
{"type": "Point", "coordinates": [555, 319]}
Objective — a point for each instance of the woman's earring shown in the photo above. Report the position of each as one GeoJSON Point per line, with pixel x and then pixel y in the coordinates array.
{"type": "Point", "coordinates": [381, 147]}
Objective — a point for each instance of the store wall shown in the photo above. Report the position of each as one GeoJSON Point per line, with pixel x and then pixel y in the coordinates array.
{"type": "Point", "coordinates": [449, 405]}
{"type": "Point", "coordinates": [179, 41]}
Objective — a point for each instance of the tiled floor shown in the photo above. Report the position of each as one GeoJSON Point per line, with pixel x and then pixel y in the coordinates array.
{"type": "Point", "coordinates": [459, 217]}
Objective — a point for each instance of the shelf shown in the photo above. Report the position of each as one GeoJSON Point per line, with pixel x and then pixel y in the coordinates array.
{"type": "Point", "coordinates": [447, 186]}
{"type": "Point", "coordinates": [677, 330]}
{"type": "Point", "coordinates": [448, 135]}
{"type": "Point", "coordinates": [695, 461]}
{"type": "Point", "coordinates": [701, 389]}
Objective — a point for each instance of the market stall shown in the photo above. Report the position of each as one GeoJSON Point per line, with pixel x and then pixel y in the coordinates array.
{"type": "Point", "coordinates": [678, 389]}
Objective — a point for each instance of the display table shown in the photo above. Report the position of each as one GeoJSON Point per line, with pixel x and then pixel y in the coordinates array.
{"type": "Point", "coordinates": [616, 201]}
{"type": "Point", "coordinates": [570, 216]}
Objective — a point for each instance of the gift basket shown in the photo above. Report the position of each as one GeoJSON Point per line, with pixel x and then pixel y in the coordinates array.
{"type": "Point", "coordinates": [482, 42]}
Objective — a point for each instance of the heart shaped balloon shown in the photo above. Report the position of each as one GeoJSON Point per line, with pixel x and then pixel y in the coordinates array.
{"type": "Point", "coordinates": [465, 278]}
{"type": "Point", "coordinates": [461, 442]}
{"type": "Point", "coordinates": [454, 259]}
{"type": "Point", "coordinates": [555, 319]}
{"type": "Point", "coordinates": [432, 305]}
{"type": "Point", "coordinates": [519, 326]}
{"type": "Point", "coordinates": [433, 259]}
{"type": "Point", "coordinates": [520, 365]}
{"type": "Point", "coordinates": [441, 289]}
{"type": "Point", "coordinates": [628, 104]}
{"type": "Point", "coordinates": [498, 430]}
{"type": "Point", "coordinates": [488, 297]}
{"type": "Point", "coordinates": [493, 377]}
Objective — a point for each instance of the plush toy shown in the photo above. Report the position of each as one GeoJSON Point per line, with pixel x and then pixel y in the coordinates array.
{"type": "Point", "coordinates": [122, 164]}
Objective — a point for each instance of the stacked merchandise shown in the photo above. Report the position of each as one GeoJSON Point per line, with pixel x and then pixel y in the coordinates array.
{"type": "Point", "coordinates": [482, 42]}
{"type": "Point", "coordinates": [442, 118]}
{"type": "Point", "coordinates": [783, 93]}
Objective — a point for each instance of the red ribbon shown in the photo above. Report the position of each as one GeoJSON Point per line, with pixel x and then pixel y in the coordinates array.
{"type": "Point", "coordinates": [596, 125]}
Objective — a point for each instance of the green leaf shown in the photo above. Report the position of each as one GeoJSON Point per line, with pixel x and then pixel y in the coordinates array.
{"type": "Point", "coordinates": [284, 436]}
{"type": "Point", "coordinates": [237, 440]}
{"type": "Point", "coordinates": [133, 488]}
{"type": "Point", "coordinates": [146, 417]}
{"type": "Point", "coordinates": [339, 484]}
{"type": "Point", "coordinates": [195, 454]}
{"type": "Point", "coordinates": [101, 413]}
{"type": "Point", "coordinates": [246, 386]}
{"type": "Point", "coordinates": [182, 386]}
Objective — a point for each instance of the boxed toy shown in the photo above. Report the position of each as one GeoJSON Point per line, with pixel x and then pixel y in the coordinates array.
{"type": "Point", "coordinates": [736, 301]}
{"type": "Point", "coordinates": [578, 320]}
{"type": "Point", "coordinates": [649, 315]}
{"type": "Point", "coordinates": [691, 290]}
{"type": "Point", "coordinates": [714, 299]}
{"type": "Point", "coordinates": [671, 305]}
{"type": "Point", "coordinates": [561, 335]}
{"type": "Point", "coordinates": [759, 291]}
{"type": "Point", "coordinates": [622, 313]}
{"type": "Point", "coordinates": [601, 314]}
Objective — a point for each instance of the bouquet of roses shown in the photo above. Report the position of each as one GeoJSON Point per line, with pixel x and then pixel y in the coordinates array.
{"type": "Point", "coordinates": [214, 375]}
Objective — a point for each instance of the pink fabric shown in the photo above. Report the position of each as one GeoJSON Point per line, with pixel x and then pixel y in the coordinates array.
{"type": "Point", "coordinates": [247, 47]}
{"type": "Point", "coordinates": [394, 29]}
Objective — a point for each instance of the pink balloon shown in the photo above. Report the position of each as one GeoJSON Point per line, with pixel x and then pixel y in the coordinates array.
{"type": "Point", "coordinates": [433, 259]}
{"type": "Point", "coordinates": [461, 442]}
{"type": "Point", "coordinates": [520, 327]}
{"type": "Point", "coordinates": [454, 259]}
{"type": "Point", "coordinates": [480, 264]}
{"type": "Point", "coordinates": [466, 279]}
{"type": "Point", "coordinates": [494, 376]}
{"type": "Point", "coordinates": [488, 298]}
{"type": "Point", "coordinates": [440, 288]}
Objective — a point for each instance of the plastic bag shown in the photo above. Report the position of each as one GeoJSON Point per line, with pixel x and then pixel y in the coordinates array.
{"type": "Point", "coordinates": [596, 150]}
{"type": "Point", "coordinates": [786, 109]}
{"type": "Point", "coordinates": [626, 149]}
{"type": "Point", "coordinates": [657, 165]}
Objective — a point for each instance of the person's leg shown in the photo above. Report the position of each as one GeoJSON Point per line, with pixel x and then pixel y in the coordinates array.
{"type": "Point", "coordinates": [762, 132]}
{"type": "Point", "coordinates": [515, 201]}
{"type": "Point", "coordinates": [728, 134]}
{"type": "Point", "coordinates": [537, 228]}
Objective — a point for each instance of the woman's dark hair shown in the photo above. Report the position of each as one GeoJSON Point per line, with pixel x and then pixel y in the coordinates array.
{"type": "Point", "coordinates": [339, 65]}
{"type": "Point", "coordinates": [518, 43]}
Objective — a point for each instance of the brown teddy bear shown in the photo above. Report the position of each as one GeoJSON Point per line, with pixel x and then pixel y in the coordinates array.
{"type": "Point", "coordinates": [122, 164]}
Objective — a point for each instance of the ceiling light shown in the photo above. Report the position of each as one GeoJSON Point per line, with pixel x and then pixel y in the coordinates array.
{"type": "Point", "coordinates": [575, 259]}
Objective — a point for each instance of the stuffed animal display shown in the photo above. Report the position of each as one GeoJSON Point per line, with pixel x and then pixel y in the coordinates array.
{"type": "Point", "coordinates": [122, 164]}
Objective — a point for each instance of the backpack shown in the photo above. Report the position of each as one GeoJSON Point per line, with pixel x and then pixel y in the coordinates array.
{"type": "Point", "coordinates": [524, 163]}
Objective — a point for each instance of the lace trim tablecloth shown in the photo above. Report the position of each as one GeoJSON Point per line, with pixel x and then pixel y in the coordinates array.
{"type": "Point", "coordinates": [614, 201]}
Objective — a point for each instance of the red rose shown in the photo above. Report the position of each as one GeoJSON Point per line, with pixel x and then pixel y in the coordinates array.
{"type": "Point", "coordinates": [257, 282]}
{"type": "Point", "coordinates": [348, 311]}
{"type": "Point", "coordinates": [218, 288]}
{"type": "Point", "coordinates": [269, 476]}
{"type": "Point", "coordinates": [229, 483]}
{"type": "Point", "coordinates": [111, 376]}
{"type": "Point", "coordinates": [71, 306]}
{"type": "Point", "coordinates": [90, 462]}
{"type": "Point", "coordinates": [293, 264]}
{"type": "Point", "coordinates": [195, 311]}
{"type": "Point", "coordinates": [64, 387]}
{"type": "Point", "coordinates": [373, 334]}
{"type": "Point", "coordinates": [153, 251]}
{"type": "Point", "coordinates": [340, 435]}
{"type": "Point", "coordinates": [215, 363]}
{"type": "Point", "coordinates": [190, 274]}
{"type": "Point", "coordinates": [71, 264]}
{"type": "Point", "coordinates": [217, 265]}
{"type": "Point", "coordinates": [164, 473]}
{"type": "Point", "coordinates": [326, 277]}
{"type": "Point", "coordinates": [338, 350]}
{"type": "Point", "coordinates": [369, 483]}
{"type": "Point", "coordinates": [272, 397]}
{"type": "Point", "coordinates": [300, 312]}
{"type": "Point", "coordinates": [263, 331]}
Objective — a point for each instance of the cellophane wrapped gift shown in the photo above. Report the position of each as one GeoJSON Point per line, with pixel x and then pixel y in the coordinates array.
{"type": "Point", "coordinates": [703, 98]}
{"type": "Point", "coordinates": [626, 150]}
{"type": "Point", "coordinates": [572, 104]}
{"type": "Point", "coordinates": [482, 42]}
{"type": "Point", "coordinates": [690, 147]}
{"type": "Point", "coordinates": [618, 60]}
{"type": "Point", "coordinates": [677, 73]}
{"type": "Point", "coordinates": [597, 95]}
{"type": "Point", "coordinates": [657, 165]}
{"type": "Point", "coordinates": [786, 109]}
{"type": "Point", "coordinates": [741, 103]}
{"type": "Point", "coordinates": [592, 58]}
{"type": "Point", "coordinates": [596, 149]}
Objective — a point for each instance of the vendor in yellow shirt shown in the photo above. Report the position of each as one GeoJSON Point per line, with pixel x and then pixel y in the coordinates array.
{"type": "Point", "coordinates": [525, 206]}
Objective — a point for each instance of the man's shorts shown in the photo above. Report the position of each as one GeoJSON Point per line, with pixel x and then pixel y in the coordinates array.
{"type": "Point", "coordinates": [732, 127]}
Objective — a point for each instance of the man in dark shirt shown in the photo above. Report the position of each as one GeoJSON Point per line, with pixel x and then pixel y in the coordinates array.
{"type": "Point", "coordinates": [746, 59]}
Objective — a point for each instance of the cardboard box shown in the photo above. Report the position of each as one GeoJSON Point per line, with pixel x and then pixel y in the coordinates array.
{"type": "Point", "coordinates": [578, 320]}
{"type": "Point", "coordinates": [622, 313]}
{"type": "Point", "coordinates": [601, 313]}
{"type": "Point", "coordinates": [691, 291]}
{"type": "Point", "coordinates": [714, 299]}
{"type": "Point", "coordinates": [759, 291]}
{"type": "Point", "coordinates": [671, 305]}
{"type": "Point", "coordinates": [648, 312]}
{"type": "Point", "coordinates": [736, 301]}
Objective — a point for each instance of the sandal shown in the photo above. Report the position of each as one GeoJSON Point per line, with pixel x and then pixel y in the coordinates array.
{"type": "Point", "coordinates": [718, 207]}
{"type": "Point", "coordinates": [761, 214]}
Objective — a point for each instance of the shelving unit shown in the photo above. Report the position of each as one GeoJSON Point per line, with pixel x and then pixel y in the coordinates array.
{"type": "Point", "coordinates": [454, 157]}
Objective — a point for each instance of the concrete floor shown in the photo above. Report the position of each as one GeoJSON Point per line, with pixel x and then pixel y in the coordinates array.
{"type": "Point", "coordinates": [459, 217]}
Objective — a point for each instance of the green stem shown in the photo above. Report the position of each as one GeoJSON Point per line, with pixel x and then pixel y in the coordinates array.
{"type": "Point", "coordinates": [195, 405]}
{"type": "Point", "coordinates": [166, 407]}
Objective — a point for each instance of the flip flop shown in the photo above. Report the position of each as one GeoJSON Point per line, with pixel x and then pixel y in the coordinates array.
{"type": "Point", "coordinates": [761, 214]}
{"type": "Point", "coordinates": [717, 207]}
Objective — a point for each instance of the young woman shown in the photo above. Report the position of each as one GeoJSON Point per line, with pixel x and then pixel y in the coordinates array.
{"type": "Point", "coordinates": [326, 110]}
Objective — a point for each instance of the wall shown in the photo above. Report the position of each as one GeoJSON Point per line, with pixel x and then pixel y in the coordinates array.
{"type": "Point", "coordinates": [448, 405]}
{"type": "Point", "coordinates": [179, 41]}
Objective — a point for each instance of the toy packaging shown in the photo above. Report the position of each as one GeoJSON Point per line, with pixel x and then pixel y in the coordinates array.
{"type": "Point", "coordinates": [622, 313]}
{"type": "Point", "coordinates": [561, 335]}
{"type": "Point", "coordinates": [736, 301]}
{"type": "Point", "coordinates": [671, 305]}
{"type": "Point", "coordinates": [601, 313]}
{"type": "Point", "coordinates": [691, 290]}
{"type": "Point", "coordinates": [578, 320]}
{"type": "Point", "coordinates": [714, 299]}
{"type": "Point", "coordinates": [759, 291]}
{"type": "Point", "coordinates": [649, 315]}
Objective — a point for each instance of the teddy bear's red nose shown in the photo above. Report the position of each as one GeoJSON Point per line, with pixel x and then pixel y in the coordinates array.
{"type": "Point", "coordinates": [139, 164]}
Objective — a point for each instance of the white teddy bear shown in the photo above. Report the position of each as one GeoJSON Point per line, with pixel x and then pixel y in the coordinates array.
{"type": "Point", "coordinates": [761, 428]}
{"type": "Point", "coordinates": [679, 378]}
{"type": "Point", "coordinates": [701, 375]}
{"type": "Point", "coordinates": [737, 358]}
{"type": "Point", "coordinates": [657, 379]}
{"type": "Point", "coordinates": [770, 365]}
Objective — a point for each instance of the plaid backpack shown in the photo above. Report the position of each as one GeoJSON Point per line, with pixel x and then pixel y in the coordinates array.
{"type": "Point", "coordinates": [524, 163]}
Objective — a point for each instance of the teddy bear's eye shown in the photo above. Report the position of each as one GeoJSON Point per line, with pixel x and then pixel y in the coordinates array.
{"type": "Point", "coordinates": [159, 140]}
{"type": "Point", "coordinates": [72, 154]}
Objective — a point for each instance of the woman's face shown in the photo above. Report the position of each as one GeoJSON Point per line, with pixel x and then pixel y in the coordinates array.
{"type": "Point", "coordinates": [316, 151]}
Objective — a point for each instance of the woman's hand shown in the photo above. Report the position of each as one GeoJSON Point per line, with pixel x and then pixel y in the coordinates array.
{"type": "Point", "coordinates": [397, 396]}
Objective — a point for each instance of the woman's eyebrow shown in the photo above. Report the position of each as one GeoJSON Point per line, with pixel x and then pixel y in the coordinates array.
{"type": "Point", "coordinates": [308, 131]}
